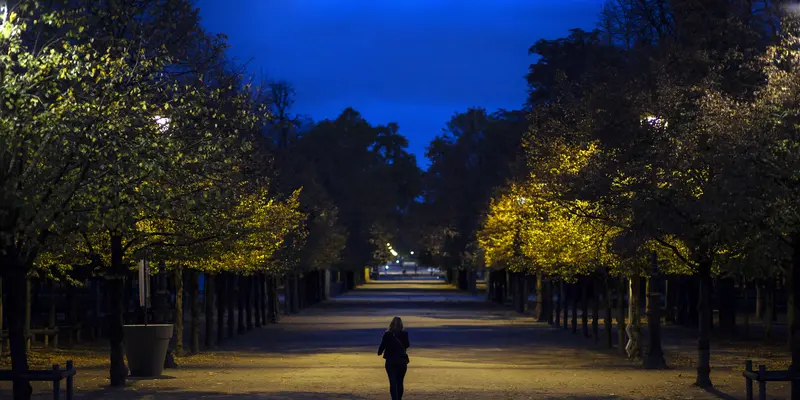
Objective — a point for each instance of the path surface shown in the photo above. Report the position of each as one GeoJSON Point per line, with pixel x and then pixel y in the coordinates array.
{"type": "Point", "coordinates": [462, 348]}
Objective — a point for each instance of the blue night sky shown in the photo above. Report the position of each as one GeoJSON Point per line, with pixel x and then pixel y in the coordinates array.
{"type": "Point", "coordinates": [415, 62]}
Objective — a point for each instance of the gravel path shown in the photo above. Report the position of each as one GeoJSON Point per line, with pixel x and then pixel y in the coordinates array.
{"type": "Point", "coordinates": [462, 348]}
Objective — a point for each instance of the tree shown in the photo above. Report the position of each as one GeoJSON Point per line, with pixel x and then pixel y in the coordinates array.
{"type": "Point", "coordinates": [368, 175]}
{"type": "Point", "coordinates": [61, 101]}
{"type": "Point", "coordinates": [760, 163]}
{"type": "Point", "coordinates": [476, 153]}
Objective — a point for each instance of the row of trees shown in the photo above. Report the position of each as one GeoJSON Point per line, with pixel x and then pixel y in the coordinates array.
{"type": "Point", "coordinates": [127, 134]}
{"type": "Point", "coordinates": [663, 142]}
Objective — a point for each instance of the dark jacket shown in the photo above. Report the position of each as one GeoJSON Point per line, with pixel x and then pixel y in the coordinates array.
{"type": "Point", "coordinates": [393, 345]}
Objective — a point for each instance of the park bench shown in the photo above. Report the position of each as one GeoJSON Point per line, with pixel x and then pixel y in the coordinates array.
{"type": "Point", "coordinates": [762, 376]}
{"type": "Point", "coordinates": [54, 375]}
{"type": "Point", "coordinates": [5, 342]}
{"type": "Point", "coordinates": [48, 333]}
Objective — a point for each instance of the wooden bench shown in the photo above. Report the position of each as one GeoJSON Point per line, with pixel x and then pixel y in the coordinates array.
{"type": "Point", "coordinates": [48, 333]}
{"type": "Point", "coordinates": [5, 341]}
{"type": "Point", "coordinates": [762, 376]}
{"type": "Point", "coordinates": [54, 375]}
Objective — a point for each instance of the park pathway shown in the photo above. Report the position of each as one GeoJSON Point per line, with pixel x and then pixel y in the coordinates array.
{"type": "Point", "coordinates": [462, 348]}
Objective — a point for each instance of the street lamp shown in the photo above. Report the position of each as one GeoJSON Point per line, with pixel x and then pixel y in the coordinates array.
{"type": "Point", "coordinates": [163, 122]}
{"type": "Point", "coordinates": [654, 121]}
{"type": "Point", "coordinates": [3, 11]}
{"type": "Point", "coordinates": [412, 252]}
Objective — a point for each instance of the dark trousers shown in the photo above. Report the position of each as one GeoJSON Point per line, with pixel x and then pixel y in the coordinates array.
{"type": "Point", "coordinates": [397, 372]}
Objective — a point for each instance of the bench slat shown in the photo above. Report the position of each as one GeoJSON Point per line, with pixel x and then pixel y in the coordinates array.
{"type": "Point", "coordinates": [38, 376]}
{"type": "Point", "coordinates": [768, 376]}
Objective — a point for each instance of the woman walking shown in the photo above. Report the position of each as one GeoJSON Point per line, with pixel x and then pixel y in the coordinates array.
{"type": "Point", "coordinates": [393, 348]}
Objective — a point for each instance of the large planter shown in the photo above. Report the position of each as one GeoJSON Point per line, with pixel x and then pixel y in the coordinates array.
{"type": "Point", "coordinates": [146, 348]}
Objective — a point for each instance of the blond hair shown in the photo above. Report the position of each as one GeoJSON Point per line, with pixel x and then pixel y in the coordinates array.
{"type": "Point", "coordinates": [396, 325]}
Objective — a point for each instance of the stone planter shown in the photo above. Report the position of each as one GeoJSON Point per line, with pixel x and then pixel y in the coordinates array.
{"type": "Point", "coordinates": [146, 348]}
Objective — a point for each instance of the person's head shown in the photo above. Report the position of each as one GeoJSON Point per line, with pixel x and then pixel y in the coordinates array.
{"type": "Point", "coordinates": [396, 325]}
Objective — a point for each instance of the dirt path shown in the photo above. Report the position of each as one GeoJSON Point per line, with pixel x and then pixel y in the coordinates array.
{"type": "Point", "coordinates": [462, 348]}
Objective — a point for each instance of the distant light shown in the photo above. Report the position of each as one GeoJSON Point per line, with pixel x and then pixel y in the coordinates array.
{"type": "Point", "coordinates": [388, 245]}
{"type": "Point", "coordinates": [397, 261]}
{"type": "Point", "coordinates": [386, 267]}
{"type": "Point", "coordinates": [412, 253]}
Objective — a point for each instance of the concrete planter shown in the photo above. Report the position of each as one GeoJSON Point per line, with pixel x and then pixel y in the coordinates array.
{"type": "Point", "coordinates": [146, 348]}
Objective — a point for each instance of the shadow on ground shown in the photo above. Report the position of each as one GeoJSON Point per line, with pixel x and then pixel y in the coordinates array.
{"type": "Point", "coordinates": [137, 394]}
{"type": "Point", "coordinates": [141, 394]}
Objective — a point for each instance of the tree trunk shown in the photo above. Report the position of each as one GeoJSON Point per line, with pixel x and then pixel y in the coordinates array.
{"type": "Point", "coordinates": [693, 296]}
{"type": "Point", "coordinates": [178, 276]}
{"type": "Point", "coordinates": [726, 303]}
{"type": "Point", "coordinates": [248, 302]}
{"type": "Point", "coordinates": [287, 295]}
{"type": "Point", "coordinates": [595, 309]}
{"type": "Point", "coordinates": [669, 299]}
{"type": "Point", "coordinates": [746, 297]}
{"type": "Point", "coordinates": [256, 300]}
{"type": "Point", "coordinates": [1, 310]}
{"type": "Point", "coordinates": [274, 299]}
{"type": "Point", "coordinates": [508, 294]}
{"type": "Point", "coordinates": [501, 287]}
{"type": "Point", "coordinates": [607, 320]}
{"type": "Point", "coordinates": [680, 301]}
{"type": "Point", "coordinates": [560, 297]}
{"type": "Point", "coordinates": [514, 292]}
{"type": "Point", "coordinates": [240, 297]}
{"type": "Point", "coordinates": [51, 317]}
{"type": "Point", "coordinates": [262, 298]}
{"type": "Point", "coordinates": [194, 308]}
{"type": "Point", "coordinates": [522, 292]}
{"type": "Point", "coordinates": [647, 294]}
{"type": "Point", "coordinates": [221, 302]}
{"type": "Point", "coordinates": [759, 301]}
{"type": "Point", "coordinates": [548, 300]}
{"type": "Point", "coordinates": [27, 313]}
{"type": "Point", "coordinates": [655, 354]}
{"type": "Point", "coordinates": [790, 306]}
{"type": "Point", "coordinates": [769, 307]}
{"type": "Point", "coordinates": [704, 323]}
{"type": "Point", "coordinates": [634, 346]}
{"type": "Point", "coordinates": [574, 300]}
{"type": "Point", "coordinates": [622, 336]}
{"type": "Point", "coordinates": [14, 287]}
{"type": "Point", "coordinates": [210, 291]}
{"type": "Point", "coordinates": [230, 300]}
{"type": "Point", "coordinates": [795, 326]}
{"type": "Point", "coordinates": [584, 282]}
{"type": "Point", "coordinates": [296, 289]}
{"type": "Point", "coordinates": [490, 286]}
{"type": "Point", "coordinates": [301, 289]}
{"type": "Point", "coordinates": [539, 310]}
{"type": "Point", "coordinates": [116, 336]}
{"type": "Point", "coordinates": [565, 303]}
